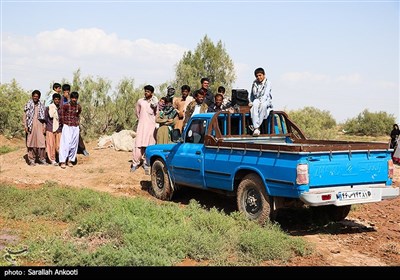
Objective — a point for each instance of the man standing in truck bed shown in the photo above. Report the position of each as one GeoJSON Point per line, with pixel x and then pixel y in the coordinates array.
{"type": "Point", "coordinates": [260, 99]}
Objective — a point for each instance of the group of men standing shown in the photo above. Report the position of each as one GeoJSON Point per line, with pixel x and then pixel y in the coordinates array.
{"type": "Point", "coordinates": [163, 116]}
{"type": "Point", "coordinates": [52, 127]}
{"type": "Point", "coordinates": [158, 118]}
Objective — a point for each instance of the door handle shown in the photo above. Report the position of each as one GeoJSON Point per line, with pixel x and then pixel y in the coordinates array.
{"type": "Point", "coordinates": [198, 153]}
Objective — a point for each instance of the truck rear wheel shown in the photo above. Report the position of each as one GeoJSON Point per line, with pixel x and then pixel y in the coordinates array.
{"type": "Point", "coordinates": [160, 183]}
{"type": "Point", "coordinates": [253, 200]}
{"type": "Point", "coordinates": [331, 212]}
{"type": "Point", "coordinates": [337, 213]}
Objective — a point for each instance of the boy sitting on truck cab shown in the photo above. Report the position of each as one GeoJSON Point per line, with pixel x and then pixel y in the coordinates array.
{"type": "Point", "coordinates": [260, 99]}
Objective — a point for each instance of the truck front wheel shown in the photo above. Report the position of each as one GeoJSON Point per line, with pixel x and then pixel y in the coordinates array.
{"type": "Point", "coordinates": [252, 199]}
{"type": "Point", "coordinates": [160, 183]}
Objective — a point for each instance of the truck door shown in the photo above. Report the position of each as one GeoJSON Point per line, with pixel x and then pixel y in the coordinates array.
{"type": "Point", "coordinates": [188, 162]}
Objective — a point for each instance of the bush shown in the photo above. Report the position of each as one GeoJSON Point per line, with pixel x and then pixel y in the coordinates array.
{"type": "Point", "coordinates": [12, 101]}
{"type": "Point", "coordinates": [104, 112]}
{"type": "Point", "coordinates": [316, 124]}
{"type": "Point", "coordinates": [370, 124]}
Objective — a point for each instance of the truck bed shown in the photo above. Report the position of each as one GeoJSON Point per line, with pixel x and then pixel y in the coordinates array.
{"type": "Point", "coordinates": [275, 138]}
{"type": "Point", "coordinates": [283, 145]}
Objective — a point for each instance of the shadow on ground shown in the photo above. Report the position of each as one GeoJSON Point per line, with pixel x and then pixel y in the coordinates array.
{"type": "Point", "coordinates": [304, 221]}
{"type": "Point", "coordinates": [296, 221]}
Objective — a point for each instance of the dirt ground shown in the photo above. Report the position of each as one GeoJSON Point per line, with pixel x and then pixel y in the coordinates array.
{"type": "Point", "coordinates": [369, 236]}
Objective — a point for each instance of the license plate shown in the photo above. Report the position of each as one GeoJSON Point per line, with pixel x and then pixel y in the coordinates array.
{"type": "Point", "coordinates": [353, 195]}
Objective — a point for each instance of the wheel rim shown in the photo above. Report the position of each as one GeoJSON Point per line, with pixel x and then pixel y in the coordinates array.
{"type": "Point", "coordinates": [160, 178]}
{"type": "Point", "coordinates": [252, 201]}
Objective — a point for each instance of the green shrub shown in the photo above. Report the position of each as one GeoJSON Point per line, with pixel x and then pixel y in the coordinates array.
{"type": "Point", "coordinates": [6, 149]}
{"type": "Point", "coordinates": [370, 124]}
{"type": "Point", "coordinates": [315, 124]}
{"type": "Point", "coordinates": [12, 101]}
{"type": "Point", "coordinates": [119, 231]}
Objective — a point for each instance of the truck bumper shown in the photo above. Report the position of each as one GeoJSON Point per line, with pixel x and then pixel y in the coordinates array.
{"type": "Point", "coordinates": [348, 195]}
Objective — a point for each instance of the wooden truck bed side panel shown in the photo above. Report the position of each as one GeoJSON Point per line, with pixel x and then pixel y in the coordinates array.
{"type": "Point", "coordinates": [283, 135]}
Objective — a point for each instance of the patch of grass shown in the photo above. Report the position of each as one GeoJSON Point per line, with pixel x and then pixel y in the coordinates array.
{"type": "Point", "coordinates": [7, 149]}
{"type": "Point", "coordinates": [260, 244]}
{"type": "Point", "coordinates": [118, 231]}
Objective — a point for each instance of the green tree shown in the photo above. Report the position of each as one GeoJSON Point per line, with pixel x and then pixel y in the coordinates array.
{"type": "Point", "coordinates": [370, 124]}
{"type": "Point", "coordinates": [316, 124]}
{"type": "Point", "coordinates": [12, 101]}
{"type": "Point", "coordinates": [104, 112]}
{"type": "Point", "coordinates": [98, 108]}
{"type": "Point", "coordinates": [207, 60]}
{"type": "Point", "coordinates": [126, 97]}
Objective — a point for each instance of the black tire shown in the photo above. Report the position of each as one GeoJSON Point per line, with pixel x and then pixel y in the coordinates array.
{"type": "Point", "coordinates": [253, 200]}
{"type": "Point", "coordinates": [331, 212]}
{"type": "Point", "coordinates": [338, 213]}
{"type": "Point", "coordinates": [160, 183]}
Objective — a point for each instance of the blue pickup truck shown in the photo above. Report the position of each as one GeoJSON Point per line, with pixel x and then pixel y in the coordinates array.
{"type": "Point", "coordinates": [280, 168]}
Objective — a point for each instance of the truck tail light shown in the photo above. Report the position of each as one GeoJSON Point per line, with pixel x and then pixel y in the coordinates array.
{"type": "Point", "coordinates": [326, 197]}
{"type": "Point", "coordinates": [390, 169]}
{"type": "Point", "coordinates": [302, 174]}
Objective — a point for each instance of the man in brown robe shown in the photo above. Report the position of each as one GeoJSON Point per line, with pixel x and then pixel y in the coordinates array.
{"type": "Point", "coordinates": [35, 129]}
